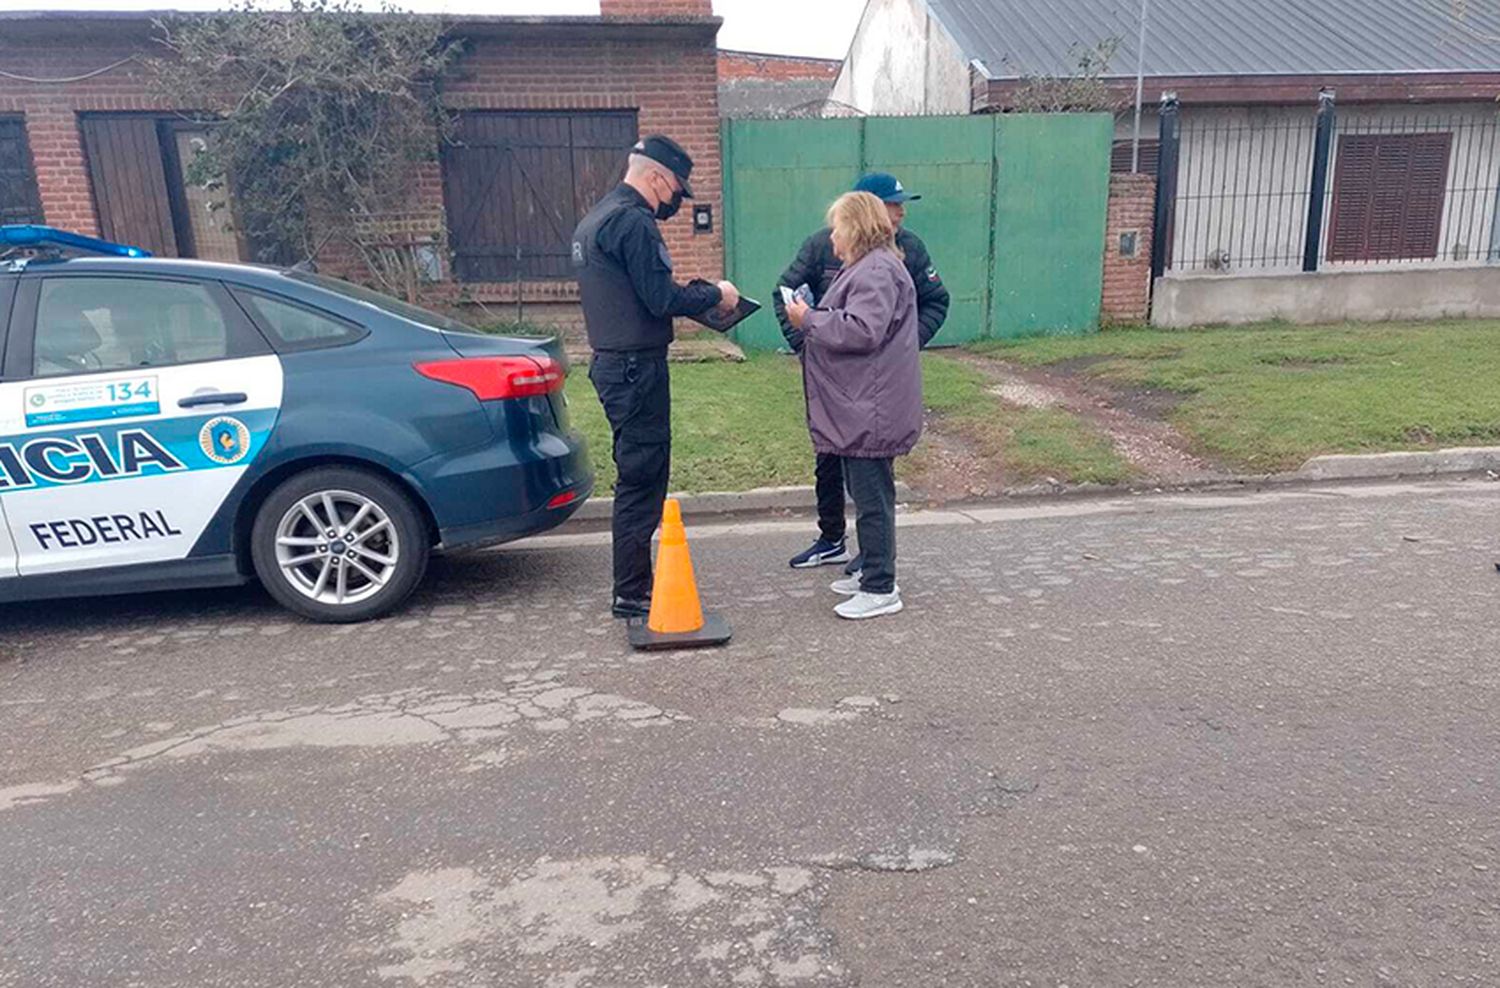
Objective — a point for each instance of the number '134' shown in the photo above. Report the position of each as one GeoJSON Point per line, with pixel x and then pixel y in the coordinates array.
{"type": "Point", "coordinates": [126, 391]}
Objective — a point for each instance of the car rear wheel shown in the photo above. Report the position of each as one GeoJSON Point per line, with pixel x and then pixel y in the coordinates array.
{"type": "Point", "coordinates": [339, 545]}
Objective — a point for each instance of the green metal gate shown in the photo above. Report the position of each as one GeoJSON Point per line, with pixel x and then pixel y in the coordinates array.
{"type": "Point", "coordinates": [1013, 210]}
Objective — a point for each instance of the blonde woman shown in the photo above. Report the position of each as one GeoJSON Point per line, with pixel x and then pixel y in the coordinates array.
{"type": "Point", "coordinates": [863, 380]}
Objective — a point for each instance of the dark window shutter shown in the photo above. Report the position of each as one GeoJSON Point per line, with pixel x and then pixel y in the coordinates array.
{"type": "Point", "coordinates": [19, 202]}
{"type": "Point", "coordinates": [1119, 157]}
{"type": "Point", "coordinates": [1388, 196]}
{"type": "Point", "coordinates": [516, 184]}
{"type": "Point", "coordinates": [1426, 192]}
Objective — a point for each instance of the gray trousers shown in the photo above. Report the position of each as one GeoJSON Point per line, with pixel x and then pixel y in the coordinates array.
{"type": "Point", "coordinates": [872, 486]}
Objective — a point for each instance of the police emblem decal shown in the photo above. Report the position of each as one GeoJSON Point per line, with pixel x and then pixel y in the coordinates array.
{"type": "Point", "coordinates": [225, 440]}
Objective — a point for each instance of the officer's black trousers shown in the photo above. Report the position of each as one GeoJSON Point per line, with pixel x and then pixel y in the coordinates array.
{"type": "Point", "coordinates": [636, 393]}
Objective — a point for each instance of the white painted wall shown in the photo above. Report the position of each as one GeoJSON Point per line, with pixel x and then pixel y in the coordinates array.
{"type": "Point", "coordinates": [902, 62]}
{"type": "Point", "coordinates": [1341, 294]}
{"type": "Point", "coordinates": [1244, 175]}
{"type": "Point", "coordinates": [949, 80]}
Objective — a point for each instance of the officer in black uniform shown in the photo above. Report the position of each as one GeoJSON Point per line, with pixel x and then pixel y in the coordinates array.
{"type": "Point", "coordinates": [816, 266]}
{"type": "Point", "coordinates": [629, 300]}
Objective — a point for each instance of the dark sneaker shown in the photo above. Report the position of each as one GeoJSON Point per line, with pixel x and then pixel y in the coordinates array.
{"type": "Point", "coordinates": [822, 553]}
{"type": "Point", "coordinates": [627, 610]}
{"type": "Point", "coordinates": [856, 565]}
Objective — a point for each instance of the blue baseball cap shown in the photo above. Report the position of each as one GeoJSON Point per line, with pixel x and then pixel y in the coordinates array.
{"type": "Point", "coordinates": [884, 187]}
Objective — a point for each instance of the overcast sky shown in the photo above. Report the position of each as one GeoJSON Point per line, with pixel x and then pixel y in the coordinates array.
{"type": "Point", "coordinates": [794, 27]}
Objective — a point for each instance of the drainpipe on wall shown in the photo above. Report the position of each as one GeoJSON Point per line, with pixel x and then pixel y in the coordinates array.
{"type": "Point", "coordinates": [1317, 195]}
{"type": "Point", "coordinates": [1140, 86]}
{"type": "Point", "coordinates": [1166, 184]}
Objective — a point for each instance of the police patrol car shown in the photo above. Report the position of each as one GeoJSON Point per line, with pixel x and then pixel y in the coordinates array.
{"type": "Point", "coordinates": [169, 424]}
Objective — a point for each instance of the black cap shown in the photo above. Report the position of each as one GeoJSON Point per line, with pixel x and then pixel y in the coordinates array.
{"type": "Point", "coordinates": [668, 153]}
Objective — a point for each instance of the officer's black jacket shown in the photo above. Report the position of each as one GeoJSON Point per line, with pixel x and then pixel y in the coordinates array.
{"type": "Point", "coordinates": [625, 277]}
{"type": "Point", "coordinates": [816, 267]}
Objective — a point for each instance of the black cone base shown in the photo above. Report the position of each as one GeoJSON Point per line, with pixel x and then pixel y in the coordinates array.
{"type": "Point", "coordinates": [715, 631]}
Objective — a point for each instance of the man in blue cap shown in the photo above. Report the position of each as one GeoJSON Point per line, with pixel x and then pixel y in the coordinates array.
{"type": "Point", "coordinates": [816, 266]}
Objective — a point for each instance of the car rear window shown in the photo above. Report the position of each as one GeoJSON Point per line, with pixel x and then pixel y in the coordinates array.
{"type": "Point", "coordinates": [381, 301]}
{"type": "Point", "coordinates": [296, 327]}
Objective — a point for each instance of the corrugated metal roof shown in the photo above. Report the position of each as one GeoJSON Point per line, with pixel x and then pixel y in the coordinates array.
{"type": "Point", "coordinates": [1015, 38]}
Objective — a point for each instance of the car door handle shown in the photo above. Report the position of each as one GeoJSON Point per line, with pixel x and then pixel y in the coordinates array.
{"type": "Point", "coordinates": [215, 398]}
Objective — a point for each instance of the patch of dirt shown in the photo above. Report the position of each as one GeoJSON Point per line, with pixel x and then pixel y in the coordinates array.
{"type": "Point", "coordinates": [1134, 419]}
{"type": "Point", "coordinates": [1078, 365]}
{"type": "Point", "coordinates": [947, 467]}
{"type": "Point", "coordinates": [1064, 375]}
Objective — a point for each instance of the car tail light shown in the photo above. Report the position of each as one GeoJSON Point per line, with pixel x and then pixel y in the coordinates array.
{"type": "Point", "coordinates": [494, 378]}
{"type": "Point", "coordinates": [562, 500]}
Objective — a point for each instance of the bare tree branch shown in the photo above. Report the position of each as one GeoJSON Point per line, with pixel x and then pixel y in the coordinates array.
{"type": "Point", "coordinates": [324, 117]}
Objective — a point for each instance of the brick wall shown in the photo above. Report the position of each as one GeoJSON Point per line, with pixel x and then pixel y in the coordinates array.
{"type": "Point", "coordinates": [1127, 280]}
{"type": "Point", "coordinates": [739, 65]}
{"type": "Point", "coordinates": [656, 8]}
{"type": "Point", "coordinates": [674, 87]}
{"type": "Point", "coordinates": [667, 73]}
{"type": "Point", "coordinates": [50, 111]}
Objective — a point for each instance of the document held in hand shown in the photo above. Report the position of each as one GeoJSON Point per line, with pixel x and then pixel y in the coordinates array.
{"type": "Point", "coordinates": [802, 292]}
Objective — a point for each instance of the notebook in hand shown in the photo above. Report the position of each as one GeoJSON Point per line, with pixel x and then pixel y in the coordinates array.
{"type": "Point", "coordinates": [723, 322]}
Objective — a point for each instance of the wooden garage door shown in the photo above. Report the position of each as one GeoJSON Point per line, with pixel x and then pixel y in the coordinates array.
{"type": "Point", "coordinates": [516, 185]}
{"type": "Point", "coordinates": [1388, 196]}
{"type": "Point", "coordinates": [130, 181]}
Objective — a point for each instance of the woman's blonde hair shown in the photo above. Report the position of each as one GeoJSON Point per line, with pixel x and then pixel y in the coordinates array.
{"type": "Point", "coordinates": [864, 225]}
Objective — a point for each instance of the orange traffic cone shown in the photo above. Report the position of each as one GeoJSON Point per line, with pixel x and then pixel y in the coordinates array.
{"type": "Point", "coordinates": [677, 619]}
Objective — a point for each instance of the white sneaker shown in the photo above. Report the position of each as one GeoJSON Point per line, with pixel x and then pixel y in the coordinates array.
{"type": "Point", "coordinates": [870, 605]}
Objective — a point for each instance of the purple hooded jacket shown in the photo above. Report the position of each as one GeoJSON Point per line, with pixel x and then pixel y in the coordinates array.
{"type": "Point", "coordinates": [860, 368]}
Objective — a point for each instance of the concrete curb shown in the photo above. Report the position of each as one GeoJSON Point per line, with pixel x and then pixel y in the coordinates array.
{"type": "Point", "coordinates": [1371, 466]}
{"type": "Point", "coordinates": [762, 500]}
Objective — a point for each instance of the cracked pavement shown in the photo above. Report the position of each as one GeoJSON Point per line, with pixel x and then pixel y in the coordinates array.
{"type": "Point", "coordinates": [1241, 739]}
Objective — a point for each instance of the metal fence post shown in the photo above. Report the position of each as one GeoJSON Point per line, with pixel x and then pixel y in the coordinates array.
{"type": "Point", "coordinates": [1166, 183]}
{"type": "Point", "coordinates": [1317, 195]}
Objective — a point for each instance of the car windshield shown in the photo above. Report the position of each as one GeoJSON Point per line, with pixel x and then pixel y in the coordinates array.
{"type": "Point", "coordinates": [381, 301]}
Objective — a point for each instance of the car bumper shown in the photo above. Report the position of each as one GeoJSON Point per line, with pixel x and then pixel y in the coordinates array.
{"type": "Point", "coordinates": [510, 529]}
{"type": "Point", "coordinates": [505, 491]}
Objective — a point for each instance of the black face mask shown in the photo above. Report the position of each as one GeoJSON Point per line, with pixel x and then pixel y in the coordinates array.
{"type": "Point", "coordinates": [667, 210]}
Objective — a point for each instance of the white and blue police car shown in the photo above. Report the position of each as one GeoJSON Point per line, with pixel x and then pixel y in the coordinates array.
{"type": "Point", "coordinates": [167, 424]}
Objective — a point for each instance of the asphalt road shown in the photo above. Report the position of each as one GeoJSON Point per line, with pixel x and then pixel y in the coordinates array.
{"type": "Point", "coordinates": [1210, 740]}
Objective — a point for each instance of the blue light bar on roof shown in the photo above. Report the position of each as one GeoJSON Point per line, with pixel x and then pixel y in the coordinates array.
{"type": "Point", "coordinates": [30, 235]}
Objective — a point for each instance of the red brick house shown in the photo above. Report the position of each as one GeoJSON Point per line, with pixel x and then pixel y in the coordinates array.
{"type": "Point", "coordinates": [547, 107]}
{"type": "Point", "coordinates": [758, 85]}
